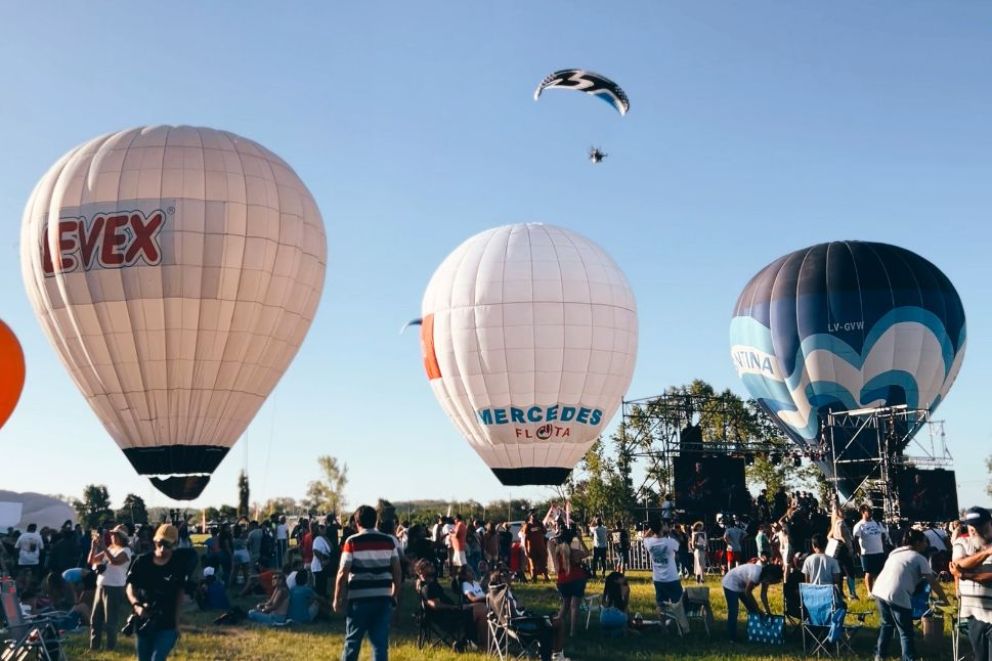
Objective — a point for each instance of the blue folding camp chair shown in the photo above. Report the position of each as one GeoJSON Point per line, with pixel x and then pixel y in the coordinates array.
{"type": "Point", "coordinates": [824, 629]}
{"type": "Point", "coordinates": [920, 601]}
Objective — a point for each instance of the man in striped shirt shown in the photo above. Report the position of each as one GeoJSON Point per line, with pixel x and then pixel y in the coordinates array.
{"type": "Point", "coordinates": [369, 582]}
{"type": "Point", "coordinates": [972, 564]}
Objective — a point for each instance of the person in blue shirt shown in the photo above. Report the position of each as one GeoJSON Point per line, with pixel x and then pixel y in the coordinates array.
{"type": "Point", "coordinates": [303, 601]}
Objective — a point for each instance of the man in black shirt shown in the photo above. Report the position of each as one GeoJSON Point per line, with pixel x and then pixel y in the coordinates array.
{"type": "Point", "coordinates": [155, 587]}
{"type": "Point", "coordinates": [440, 608]}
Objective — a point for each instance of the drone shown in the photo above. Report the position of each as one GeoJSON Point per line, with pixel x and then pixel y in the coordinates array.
{"type": "Point", "coordinates": [596, 156]}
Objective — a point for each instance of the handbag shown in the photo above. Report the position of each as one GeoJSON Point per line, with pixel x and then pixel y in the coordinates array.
{"type": "Point", "coordinates": [766, 629]}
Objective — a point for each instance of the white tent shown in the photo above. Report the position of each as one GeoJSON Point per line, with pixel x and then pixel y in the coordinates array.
{"type": "Point", "coordinates": [20, 509]}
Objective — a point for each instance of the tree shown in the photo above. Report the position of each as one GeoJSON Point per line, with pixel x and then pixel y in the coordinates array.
{"type": "Point", "coordinates": [228, 512]}
{"type": "Point", "coordinates": [988, 467]}
{"type": "Point", "coordinates": [133, 511]}
{"type": "Point", "coordinates": [278, 507]}
{"type": "Point", "coordinates": [243, 494]}
{"type": "Point", "coordinates": [94, 509]}
{"type": "Point", "coordinates": [326, 495]}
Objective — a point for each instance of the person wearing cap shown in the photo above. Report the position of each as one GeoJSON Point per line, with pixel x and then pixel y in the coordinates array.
{"type": "Point", "coordinates": [971, 564]}
{"type": "Point", "coordinates": [112, 562]}
{"type": "Point", "coordinates": [905, 569]}
{"type": "Point", "coordinates": [210, 593]}
{"type": "Point", "coordinates": [155, 589]}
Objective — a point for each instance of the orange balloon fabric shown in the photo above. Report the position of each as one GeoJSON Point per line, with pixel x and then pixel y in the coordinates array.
{"type": "Point", "coordinates": [11, 372]}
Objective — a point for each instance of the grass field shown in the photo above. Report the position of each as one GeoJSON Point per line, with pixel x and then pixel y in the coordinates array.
{"type": "Point", "coordinates": [200, 639]}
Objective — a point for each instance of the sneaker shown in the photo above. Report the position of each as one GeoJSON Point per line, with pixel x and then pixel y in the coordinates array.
{"type": "Point", "coordinates": [559, 656]}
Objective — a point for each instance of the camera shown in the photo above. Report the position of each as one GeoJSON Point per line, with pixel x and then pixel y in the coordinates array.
{"type": "Point", "coordinates": [136, 624]}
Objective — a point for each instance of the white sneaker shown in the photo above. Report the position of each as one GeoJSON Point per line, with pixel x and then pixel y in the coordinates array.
{"type": "Point", "coordinates": [559, 656]}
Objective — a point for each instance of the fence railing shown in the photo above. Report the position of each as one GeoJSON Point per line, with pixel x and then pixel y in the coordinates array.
{"type": "Point", "coordinates": [640, 559]}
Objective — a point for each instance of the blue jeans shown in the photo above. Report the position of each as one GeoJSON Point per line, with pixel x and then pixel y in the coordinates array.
{"type": "Point", "coordinates": [156, 645]}
{"type": "Point", "coordinates": [367, 616]}
{"type": "Point", "coordinates": [733, 608]}
{"type": "Point", "coordinates": [896, 618]}
{"type": "Point", "coordinates": [265, 618]}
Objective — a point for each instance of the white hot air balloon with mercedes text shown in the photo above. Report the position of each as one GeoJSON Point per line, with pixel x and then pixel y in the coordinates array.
{"type": "Point", "coordinates": [529, 337]}
{"type": "Point", "coordinates": [176, 271]}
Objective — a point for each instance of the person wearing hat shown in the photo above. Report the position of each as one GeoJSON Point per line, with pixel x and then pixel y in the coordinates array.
{"type": "Point", "coordinates": [111, 564]}
{"type": "Point", "coordinates": [155, 589]}
{"type": "Point", "coordinates": [972, 565]}
{"type": "Point", "coordinates": [210, 593]}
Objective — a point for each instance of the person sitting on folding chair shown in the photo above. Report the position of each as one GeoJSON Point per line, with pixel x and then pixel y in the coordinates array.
{"type": "Point", "coordinates": [452, 618]}
{"type": "Point", "coordinates": [508, 612]}
{"type": "Point", "coordinates": [906, 568]}
{"type": "Point", "coordinates": [738, 586]}
{"type": "Point", "coordinates": [820, 569]}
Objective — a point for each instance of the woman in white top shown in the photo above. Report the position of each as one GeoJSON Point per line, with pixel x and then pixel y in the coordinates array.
{"type": "Point", "coordinates": [472, 593]}
{"type": "Point", "coordinates": [112, 564]}
{"type": "Point", "coordinates": [699, 545]}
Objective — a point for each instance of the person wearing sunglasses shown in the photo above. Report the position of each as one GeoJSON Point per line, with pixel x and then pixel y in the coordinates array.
{"type": "Point", "coordinates": [155, 587]}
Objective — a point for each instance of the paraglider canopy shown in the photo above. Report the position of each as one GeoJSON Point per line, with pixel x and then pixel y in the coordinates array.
{"type": "Point", "coordinates": [589, 82]}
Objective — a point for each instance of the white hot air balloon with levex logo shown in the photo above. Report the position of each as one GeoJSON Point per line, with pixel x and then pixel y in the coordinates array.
{"type": "Point", "coordinates": [176, 271]}
{"type": "Point", "coordinates": [529, 337]}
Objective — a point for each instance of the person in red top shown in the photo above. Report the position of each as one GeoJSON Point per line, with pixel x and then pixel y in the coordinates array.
{"type": "Point", "coordinates": [568, 553]}
{"type": "Point", "coordinates": [306, 545]}
{"type": "Point", "coordinates": [459, 544]}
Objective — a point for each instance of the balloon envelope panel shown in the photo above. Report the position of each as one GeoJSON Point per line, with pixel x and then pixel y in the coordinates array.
{"type": "Point", "coordinates": [529, 339]}
{"type": "Point", "coordinates": [846, 325]}
{"type": "Point", "coordinates": [176, 271]}
{"type": "Point", "coordinates": [11, 372]}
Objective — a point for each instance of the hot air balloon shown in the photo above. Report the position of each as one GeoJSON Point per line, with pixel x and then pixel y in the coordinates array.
{"type": "Point", "coordinates": [176, 271]}
{"type": "Point", "coordinates": [11, 372]}
{"type": "Point", "coordinates": [529, 336]}
{"type": "Point", "coordinates": [843, 326]}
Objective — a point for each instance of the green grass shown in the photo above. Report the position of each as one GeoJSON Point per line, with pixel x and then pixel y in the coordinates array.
{"type": "Point", "coordinates": [202, 640]}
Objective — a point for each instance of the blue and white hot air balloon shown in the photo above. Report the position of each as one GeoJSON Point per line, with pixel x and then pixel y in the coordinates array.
{"type": "Point", "coordinates": [842, 326]}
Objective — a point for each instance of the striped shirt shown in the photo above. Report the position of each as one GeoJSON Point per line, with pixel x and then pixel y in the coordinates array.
{"type": "Point", "coordinates": [368, 558]}
{"type": "Point", "coordinates": [976, 599]}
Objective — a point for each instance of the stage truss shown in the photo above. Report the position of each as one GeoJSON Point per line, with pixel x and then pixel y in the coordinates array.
{"type": "Point", "coordinates": [898, 435]}
{"type": "Point", "coordinates": [661, 428]}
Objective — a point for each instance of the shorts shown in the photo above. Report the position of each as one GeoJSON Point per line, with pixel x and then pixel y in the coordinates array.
{"type": "Point", "coordinates": [572, 589]}
{"type": "Point", "coordinates": [459, 559]}
{"type": "Point", "coordinates": [730, 556]}
{"type": "Point", "coordinates": [872, 563]}
{"type": "Point", "coordinates": [668, 591]}
{"type": "Point", "coordinates": [241, 557]}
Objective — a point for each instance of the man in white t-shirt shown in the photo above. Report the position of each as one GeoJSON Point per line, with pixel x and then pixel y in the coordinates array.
{"type": "Point", "coordinates": [871, 536]}
{"type": "Point", "coordinates": [893, 590]}
{"type": "Point", "coordinates": [282, 541]}
{"type": "Point", "coordinates": [738, 586]}
{"type": "Point", "coordinates": [320, 566]}
{"type": "Point", "coordinates": [972, 565]}
{"type": "Point", "coordinates": [662, 550]}
{"type": "Point", "coordinates": [28, 547]}
{"type": "Point", "coordinates": [600, 537]}
{"type": "Point", "coordinates": [819, 568]}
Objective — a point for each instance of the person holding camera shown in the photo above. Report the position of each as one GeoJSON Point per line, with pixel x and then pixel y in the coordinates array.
{"type": "Point", "coordinates": [155, 588]}
{"type": "Point", "coordinates": [111, 565]}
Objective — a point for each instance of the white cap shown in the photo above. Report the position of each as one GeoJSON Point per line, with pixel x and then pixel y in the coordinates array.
{"type": "Point", "coordinates": [208, 571]}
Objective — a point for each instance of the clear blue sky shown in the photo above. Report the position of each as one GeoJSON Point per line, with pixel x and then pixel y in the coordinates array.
{"type": "Point", "coordinates": [755, 129]}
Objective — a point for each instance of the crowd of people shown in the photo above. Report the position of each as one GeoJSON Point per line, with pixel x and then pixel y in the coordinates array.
{"type": "Point", "coordinates": [357, 566]}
